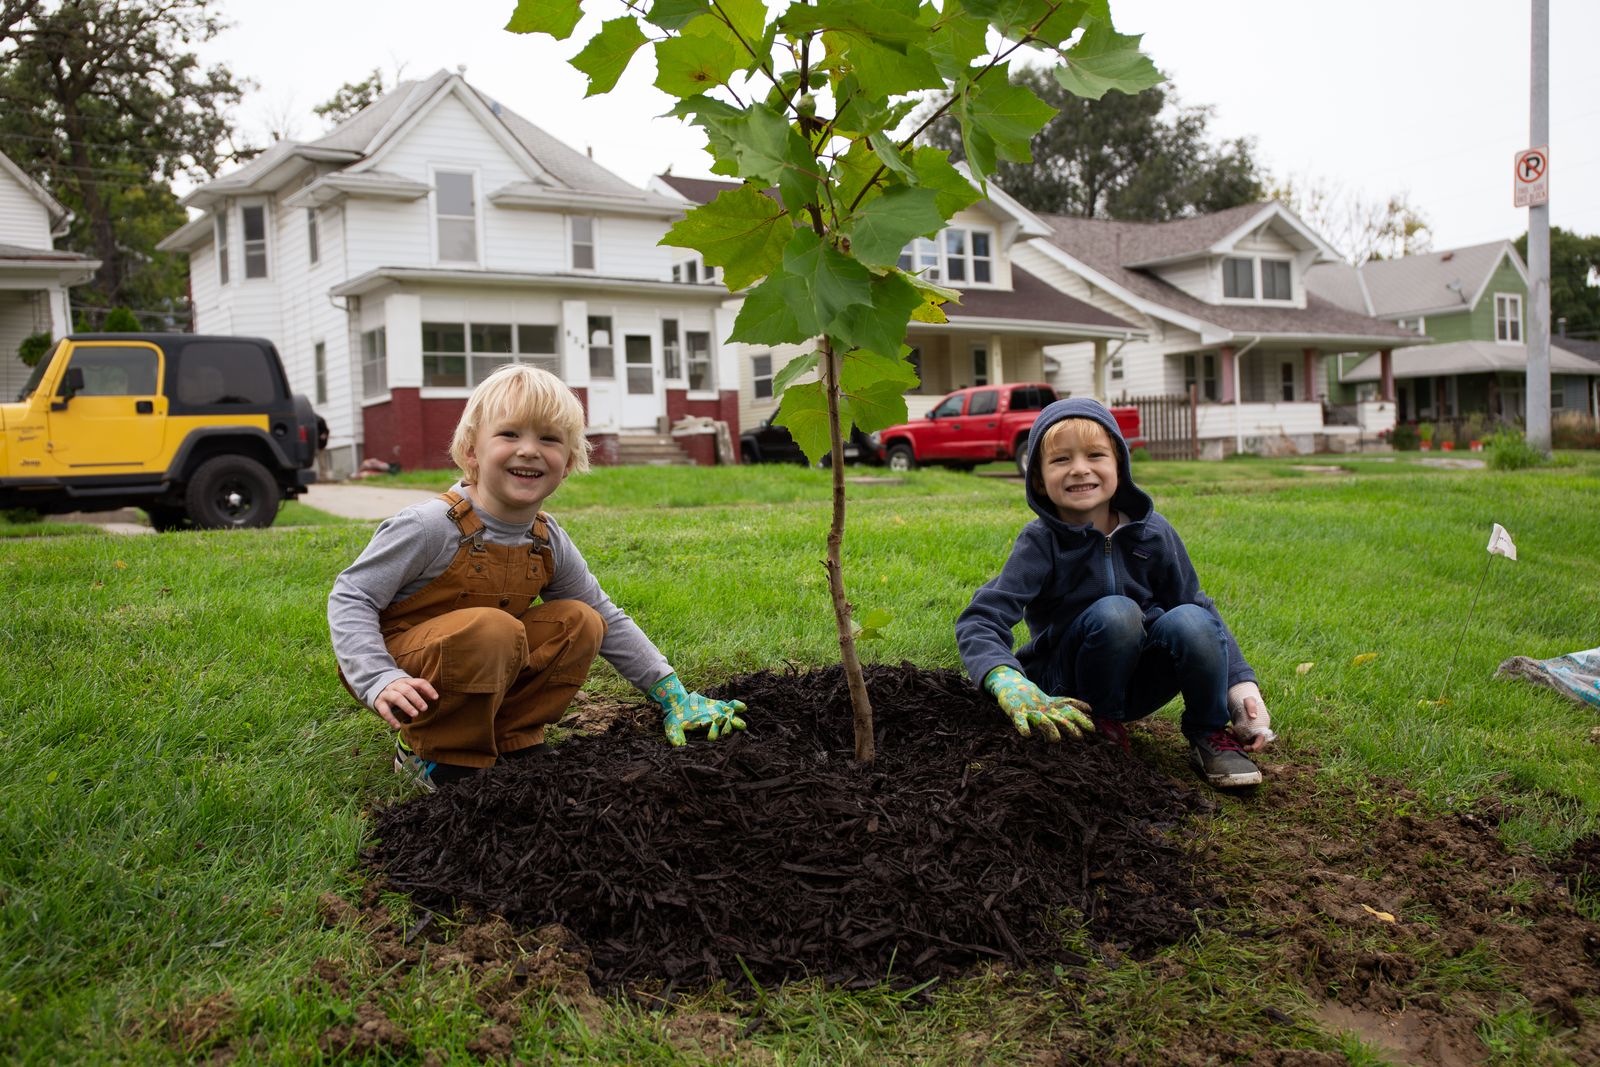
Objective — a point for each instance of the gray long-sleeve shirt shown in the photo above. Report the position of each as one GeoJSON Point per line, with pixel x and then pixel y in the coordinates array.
{"type": "Point", "coordinates": [416, 546]}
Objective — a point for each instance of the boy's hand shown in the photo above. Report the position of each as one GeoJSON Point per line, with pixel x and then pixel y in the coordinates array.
{"type": "Point", "coordinates": [408, 696]}
{"type": "Point", "coordinates": [1252, 724]}
{"type": "Point", "coordinates": [1029, 706]}
{"type": "Point", "coordinates": [691, 711]}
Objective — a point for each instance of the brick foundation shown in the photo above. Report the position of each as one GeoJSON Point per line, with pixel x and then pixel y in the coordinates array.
{"type": "Point", "coordinates": [702, 448]}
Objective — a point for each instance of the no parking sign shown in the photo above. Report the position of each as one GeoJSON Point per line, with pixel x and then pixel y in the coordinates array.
{"type": "Point", "coordinates": [1530, 184]}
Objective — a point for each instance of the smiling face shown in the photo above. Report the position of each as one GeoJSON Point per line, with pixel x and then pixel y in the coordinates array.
{"type": "Point", "coordinates": [513, 465]}
{"type": "Point", "coordinates": [1078, 466]}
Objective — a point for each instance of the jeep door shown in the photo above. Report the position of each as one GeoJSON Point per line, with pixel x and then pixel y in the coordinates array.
{"type": "Point", "coordinates": [108, 414]}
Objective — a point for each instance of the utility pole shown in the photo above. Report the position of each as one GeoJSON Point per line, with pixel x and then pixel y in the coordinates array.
{"type": "Point", "coordinates": [1538, 390]}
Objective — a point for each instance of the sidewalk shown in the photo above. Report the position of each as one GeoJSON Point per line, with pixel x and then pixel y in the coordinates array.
{"type": "Point", "coordinates": [362, 501]}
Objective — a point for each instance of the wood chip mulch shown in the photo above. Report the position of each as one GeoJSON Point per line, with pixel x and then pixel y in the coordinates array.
{"type": "Point", "coordinates": [773, 853]}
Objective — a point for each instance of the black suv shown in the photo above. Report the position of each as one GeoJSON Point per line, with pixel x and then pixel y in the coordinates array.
{"type": "Point", "coordinates": [771, 443]}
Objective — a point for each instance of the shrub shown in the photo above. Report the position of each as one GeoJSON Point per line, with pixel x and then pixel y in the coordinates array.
{"type": "Point", "coordinates": [121, 320]}
{"type": "Point", "coordinates": [1425, 432]}
{"type": "Point", "coordinates": [1508, 450]}
{"type": "Point", "coordinates": [33, 348]}
{"type": "Point", "coordinates": [1404, 438]}
{"type": "Point", "coordinates": [1573, 429]}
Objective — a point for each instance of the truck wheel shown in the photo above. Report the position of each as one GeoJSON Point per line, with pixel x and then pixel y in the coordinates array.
{"type": "Point", "coordinates": [901, 458]}
{"type": "Point", "coordinates": [1022, 456]}
{"type": "Point", "coordinates": [166, 517]}
{"type": "Point", "coordinates": [230, 491]}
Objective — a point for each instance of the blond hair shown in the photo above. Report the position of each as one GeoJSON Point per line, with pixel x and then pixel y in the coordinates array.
{"type": "Point", "coordinates": [527, 396]}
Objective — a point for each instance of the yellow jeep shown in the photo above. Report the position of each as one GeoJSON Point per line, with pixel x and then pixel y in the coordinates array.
{"type": "Point", "coordinates": [191, 428]}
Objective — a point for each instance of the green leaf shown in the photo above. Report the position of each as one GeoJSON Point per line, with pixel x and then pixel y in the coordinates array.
{"type": "Point", "coordinates": [883, 227]}
{"type": "Point", "coordinates": [804, 411]}
{"type": "Point", "coordinates": [555, 17]}
{"type": "Point", "coordinates": [1104, 59]}
{"type": "Point", "coordinates": [772, 313]}
{"type": "Point", "coordinates": [998, 121]}
{"type": "Point", "coordinates": [742, 231]}
{"type": "Point", "coordinates": [769, 150]}
{"type": "Point", "coordinates": [608, 53]}
{"type": "Point", "coordinates": [747, 19]}
{"type": "Point", "coordinates": [697, 60]}
{"type": "Point", "coordinates": [888, 154]}
{"type": "Point", "coordinates": [882, 71]}
{"type": "Point", "coordinates": [870, 627]}
{"type": "Point", "coordinates": [893, 22]}
{"type": "Point", "coordinates": [933, 298]}
{"type": "Point", "coordinates": [957, 40]}
{"type": "Point", "coordinates": [832, 280]}
{"type": "Point", "coordinates": [874, 402]}
{"type": "Point", "coordinates": [862, 364]}
{"type": "Point", "coordinates": [792, 370]}
{"type": "Point", "coordinates": [934, 171]}
{"type": "Point", "coordinates": [881, 325]}
{"type": "Point", "coordinates": [676, 14]}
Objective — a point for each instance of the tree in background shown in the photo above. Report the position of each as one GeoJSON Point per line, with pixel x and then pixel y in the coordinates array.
{"type": "Point", "coordinates": [351, 98]}
{"type": "Point", "coordinates": [1140, 157]}
{"type": "Point", "coordinates": [103, 102]}
{"type": "Point", "coordinates": [1574, 281]}
{"type": "Point", "coordinates": [1359, 228]}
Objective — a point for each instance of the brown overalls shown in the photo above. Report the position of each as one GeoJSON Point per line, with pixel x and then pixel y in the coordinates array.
{"type": "Point", "coordinates": [503, 666]}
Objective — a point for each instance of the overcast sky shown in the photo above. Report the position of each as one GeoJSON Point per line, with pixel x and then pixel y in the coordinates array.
{"type": "Point", "coordinates": [1425, 97]}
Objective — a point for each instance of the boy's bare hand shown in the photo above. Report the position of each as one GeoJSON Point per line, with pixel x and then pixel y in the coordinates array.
{"type": "Point", "coordinates": [406, 696]}
{"type": "Point", "coordinates": [1252, 723]}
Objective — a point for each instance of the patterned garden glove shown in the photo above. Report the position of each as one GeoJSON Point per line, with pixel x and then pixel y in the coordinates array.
{"type": "Point", "coordinates": [691, 711]}
{"type": "Point", "coordinates": [1029, 707]}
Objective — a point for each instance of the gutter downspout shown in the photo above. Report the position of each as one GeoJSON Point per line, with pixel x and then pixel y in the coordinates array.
{"type": "Point", "coordinates": [1238, 397]}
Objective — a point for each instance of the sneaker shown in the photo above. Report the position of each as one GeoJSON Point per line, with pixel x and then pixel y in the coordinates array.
{"type": "Point", "coordinates": [1220, 760]}
{"type": "Point", "coordinates": [413, 766]}
{"type": "Point", "coordinates": [1113, 731]}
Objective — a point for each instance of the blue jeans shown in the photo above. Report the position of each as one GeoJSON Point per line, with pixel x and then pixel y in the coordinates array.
{"type": "Point", "coordinates": [1125, 672]}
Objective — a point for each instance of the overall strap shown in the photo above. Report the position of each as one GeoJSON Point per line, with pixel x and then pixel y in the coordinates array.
{"type": "Point", "coordinates": [465, 518]}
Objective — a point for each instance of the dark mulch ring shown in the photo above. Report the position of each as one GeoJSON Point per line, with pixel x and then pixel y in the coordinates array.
{"type": "Point", "coordinates": [773, 853]}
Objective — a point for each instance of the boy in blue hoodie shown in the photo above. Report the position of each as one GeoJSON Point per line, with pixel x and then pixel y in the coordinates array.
{"type": "Point", "coordinates": [1114, 610]}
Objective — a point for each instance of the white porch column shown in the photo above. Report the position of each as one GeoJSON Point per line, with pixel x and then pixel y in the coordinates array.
{"type": "Point", "coordinates": [60, 313]}
{"type": "Point", "coordinates": [725, 355]}
{"type": "Point", "coordinates": [575, 343]}
{"type": "Point", "coordinates": [402, 325]}
{"type": "Point", "coordinates": [1101, 365]}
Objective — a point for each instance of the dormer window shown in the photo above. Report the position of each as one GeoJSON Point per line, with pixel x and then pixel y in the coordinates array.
{"type": "Point", "coordinates": [455, 209]}
{"type": "Point", "coordinates": [962, 255]}
{"type": "Point", "coordinates": [1275, 280]}
{"type": "Point", "coordinates": [1239, 279]}
{"type": "Point", "coordinates": [1245, 276]}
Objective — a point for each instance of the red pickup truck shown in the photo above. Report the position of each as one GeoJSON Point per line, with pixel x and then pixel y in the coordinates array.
{"type": "Point", "coordinates": [981, 424]}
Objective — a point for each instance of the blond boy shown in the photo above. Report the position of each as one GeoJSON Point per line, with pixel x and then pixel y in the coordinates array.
{"type": "Point", "coordinates": [471, 620]}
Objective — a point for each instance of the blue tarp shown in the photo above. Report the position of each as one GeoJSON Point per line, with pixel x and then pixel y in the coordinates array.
{"type": "Point", "coordinates": [1576, 674]}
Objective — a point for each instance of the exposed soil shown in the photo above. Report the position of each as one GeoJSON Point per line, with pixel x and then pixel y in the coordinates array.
{"type": "Point", "coordinates": [774, 856]}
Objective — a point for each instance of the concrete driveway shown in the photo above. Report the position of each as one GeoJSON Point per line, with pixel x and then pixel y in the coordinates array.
{"type": "Point", "coordinates": [346, 500]}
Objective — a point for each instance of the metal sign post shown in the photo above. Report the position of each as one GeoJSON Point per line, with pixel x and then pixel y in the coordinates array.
{"type": "Point", "coordinates": [1535, 163]}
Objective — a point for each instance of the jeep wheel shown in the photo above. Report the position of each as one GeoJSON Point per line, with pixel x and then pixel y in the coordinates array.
{"type": "Point", "coordinates": [165, 517]}
{"type": "Point", "coordinates": [232, 491]}
{"type": "Point", "coordinates": [902, 459]}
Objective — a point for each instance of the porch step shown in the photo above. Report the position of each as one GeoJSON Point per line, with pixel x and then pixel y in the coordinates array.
{"type": "Point", "coordinates": [650, 450]}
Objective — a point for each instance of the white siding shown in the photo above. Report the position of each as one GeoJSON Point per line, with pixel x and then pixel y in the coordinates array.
{"type": "Point", "coordinates": [1200, 278]}
{"type": "Point", "coordinates": [23, 219]}
{"type": "Point", "coordinates": [1266, 240]}
{"type": "Point", "coordinates": [22, 313]}
{"type": "Point", "coordinates": [1059, 277]}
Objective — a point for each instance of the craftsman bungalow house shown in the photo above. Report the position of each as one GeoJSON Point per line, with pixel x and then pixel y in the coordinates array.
{"type": "Point", "coordinates": [1472, 303]}
{"type": "Point", "coordinates": [34, 276]}
{"type": "Point", "coordinates": [435, 235]}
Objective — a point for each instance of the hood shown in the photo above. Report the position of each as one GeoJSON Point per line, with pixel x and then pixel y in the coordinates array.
{"type": "Point", "coordinates": [1128, 499]}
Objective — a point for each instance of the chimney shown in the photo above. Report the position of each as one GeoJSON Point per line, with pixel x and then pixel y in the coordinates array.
{"type": "Point", "coordinates": [590, 150]}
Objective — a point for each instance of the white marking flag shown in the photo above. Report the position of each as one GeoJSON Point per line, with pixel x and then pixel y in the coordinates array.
{"type": "Point", "coordinates": [1500, 543]}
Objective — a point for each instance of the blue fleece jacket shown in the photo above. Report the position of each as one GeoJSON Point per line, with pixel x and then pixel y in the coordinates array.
{"type": "Point", "coordinates": [1056, 570]}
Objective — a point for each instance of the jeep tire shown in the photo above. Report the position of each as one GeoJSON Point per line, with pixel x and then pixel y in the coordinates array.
{"type": "Point", "coordinates": [232, 491]}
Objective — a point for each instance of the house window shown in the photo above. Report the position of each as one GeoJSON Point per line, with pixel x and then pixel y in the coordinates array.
{"type": "Point", "coordinates": [980, 365]}
{"type": "Point", "coordinates": [1508, 318]}
{"type": "Point", "coordinates": [961, 255]}
{"type": "Point", "coordinates": [582, 242]}
{"type": "Point", "coordinates": [1239, 279]}
{"type": "Point", "coordinates": [922, 256]}
{"type": "Point", "coordinates": [671, 350]}
{"type": "Point", "coordinates": [761, 375]}
{"type": "Point", "coordinates": [319, 371]}
{"type": "Point", "coordinates": [1116, 368]}
{"type": "Point", "coordinates": [490, 347]}
{"type": "Point", "coordinates": [537, 345]}
{"type": "Point", "coordinates": [313, 249]}
{"type": "Point", "coordinates": [444, 354]}
{"type": "Point", "coordinates": [222, 247]}
{"type": "Point", "coordinates": [602, 357]}
{"type": "Point", "coordinates": [255, 241]}
{"type": "Point", "coordinates": [455, 206]}
{"type": "Point", "coordinates": [1275, 284]}
{"type": "Point", "coordinates": [699, 351]}
{"type": "Point", "coordinates": [1287, 380]}
{"type": "Point", "coordinates": [1201, 370]}
{"type": "Point", "coordinates": [374, 363]}
{"type": "Point", "coordinates": [1419, 324]}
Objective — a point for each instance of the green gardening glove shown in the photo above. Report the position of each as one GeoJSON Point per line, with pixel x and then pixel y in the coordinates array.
{"type": "Point", "coordinates": [691, 711]}
{"type": "Point", "coordinates": [1029, 707]}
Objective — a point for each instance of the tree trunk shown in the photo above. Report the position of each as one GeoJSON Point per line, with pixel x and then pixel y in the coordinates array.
{"type": "Point", "coordinates": [859, 703]}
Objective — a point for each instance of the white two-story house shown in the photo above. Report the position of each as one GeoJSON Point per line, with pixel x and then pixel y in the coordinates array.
{"type": "Point", "coordinates": [34, 276]}
{"type": "Point", "coordinates": [434, 236]}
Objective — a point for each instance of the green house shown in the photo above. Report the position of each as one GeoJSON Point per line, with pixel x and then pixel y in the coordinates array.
{"type": "Point", "coordinates": [1472, 303]}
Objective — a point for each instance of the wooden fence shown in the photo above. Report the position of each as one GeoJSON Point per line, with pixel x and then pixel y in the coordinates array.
{"type": "Point", "coordinates": [1170, 424]}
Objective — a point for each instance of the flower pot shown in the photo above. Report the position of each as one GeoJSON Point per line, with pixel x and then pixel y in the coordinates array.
{"type": "Point", "coordinates": [1426, 446]}
{"type": "Point", "coordinates": [1476, 446]}
{"type": "Point", "coordinates": [1448, 446]}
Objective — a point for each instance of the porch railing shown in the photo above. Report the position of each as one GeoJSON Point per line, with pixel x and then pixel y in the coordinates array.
{"type": "Point", "coordinates": [1170, 424]}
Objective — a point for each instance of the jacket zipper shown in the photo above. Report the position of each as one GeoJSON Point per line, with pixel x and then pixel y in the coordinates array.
{"type": "Point", "coordinates": [1111, 569]}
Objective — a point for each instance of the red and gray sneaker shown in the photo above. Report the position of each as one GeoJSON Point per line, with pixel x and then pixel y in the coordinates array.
{"type": "Point", "coordinates": [1113, 731]}
{"type": "Point", "coordinates": [1220, 760]}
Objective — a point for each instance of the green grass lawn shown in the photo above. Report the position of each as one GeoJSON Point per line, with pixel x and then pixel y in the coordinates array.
{"type": "Point", "coordinates": [183, 775]}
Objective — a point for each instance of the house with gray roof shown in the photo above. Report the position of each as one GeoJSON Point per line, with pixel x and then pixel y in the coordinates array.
{"type": "Point", "coordinates": [435, 235]}
{"type": "Point", "coordinates": [1471, 303]}
{"type": "Point", "coordinates": [34, 274]}
{"type": "Point", "coordinates": [1219, 304]}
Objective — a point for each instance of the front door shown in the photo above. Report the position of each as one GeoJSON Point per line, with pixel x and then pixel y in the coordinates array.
{"type": "Point", "coordinates": [114, 422]}
{"type": "Point", "coordinates": [640, 378]}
